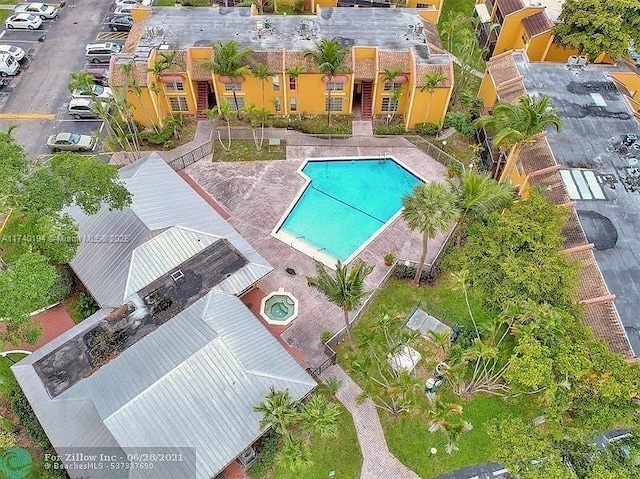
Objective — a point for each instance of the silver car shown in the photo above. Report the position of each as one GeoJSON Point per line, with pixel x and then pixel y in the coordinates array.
{"type": "Point", "coordinates": [71, 142]}
{"type": "Point", "coordinates": [43, 10]}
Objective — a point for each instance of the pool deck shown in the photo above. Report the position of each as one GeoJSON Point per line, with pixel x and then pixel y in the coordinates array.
{"type": "Point", "coordinates": [256, 195]}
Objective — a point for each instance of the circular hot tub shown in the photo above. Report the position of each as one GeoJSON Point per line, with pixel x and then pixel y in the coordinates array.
{"type": "Point", "coordinates": [279, 307]}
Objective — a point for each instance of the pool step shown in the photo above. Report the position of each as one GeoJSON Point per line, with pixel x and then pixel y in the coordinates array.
{"type": "Point", "coordinates": [367, 100]}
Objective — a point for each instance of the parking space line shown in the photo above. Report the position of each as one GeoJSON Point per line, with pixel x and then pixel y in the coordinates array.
{"type": "Point", "coordinates": [27, 116]}
{"type": "Point", "coordinates": [84, 120]}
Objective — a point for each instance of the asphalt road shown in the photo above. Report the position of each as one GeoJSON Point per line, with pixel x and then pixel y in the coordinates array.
{"type": "Point", "coordinates": [41, 88]}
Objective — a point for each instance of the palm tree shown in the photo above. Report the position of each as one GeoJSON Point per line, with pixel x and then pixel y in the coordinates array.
{"type": "Point", "coordinates": [515, 125]}
{"type": "Point", "coordinates": [430, 209]}
{"type": "Point", "coordinates": [430, 82]}
{"type": "Point", "coordinates": [480, 195]}
{"type": "Point", "coordinates": [224, 112]}
{"type": "Point", "coordinates": [345, 289]}
{"type": "Point", "coordinates": [329, 55]}
{"type": "Point", "coordinates": [389, 76]}
{"type": "Point", "coordinates": [127, 68]}
{"type": "Point", "coordinates": [279, 411]}
{"type": "Point", "coordinates": [294, 454]}
{"type": "Point", "coordinates": [261, 72]}
{"type": "Point", "coordinates": [295, 72]}
{"type": "Point", "coordinates": [229, 60]}
{"type": "Point", "coordinates": [80, 81]}
{"type": "Point", "coordinates": [320, 416]}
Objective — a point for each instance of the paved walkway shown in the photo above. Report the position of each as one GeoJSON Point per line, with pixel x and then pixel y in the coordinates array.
{"type": "Point", "coordinates": [362, 128]}
{"type": "Point", "coordinates": [377, 461]}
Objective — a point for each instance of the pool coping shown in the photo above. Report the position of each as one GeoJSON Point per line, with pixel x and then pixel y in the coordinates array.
{"type": "Point", "coordinates": [279, 292]}
{"type": "Point", "coordinates": [316, 253]}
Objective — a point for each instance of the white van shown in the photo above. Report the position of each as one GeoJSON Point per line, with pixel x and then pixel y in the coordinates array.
{"type": "Point", "coordinates": [8, 65]}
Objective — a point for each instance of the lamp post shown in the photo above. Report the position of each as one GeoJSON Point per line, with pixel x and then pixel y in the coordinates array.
{"type": "Point", "coordinates": [388, 119]}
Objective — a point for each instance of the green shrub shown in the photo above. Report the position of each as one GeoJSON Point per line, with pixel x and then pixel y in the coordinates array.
{"type": "Point", "coordinates": [86, 305]}
{"type": "Point", "coordinates": [159, 138]}
{"type": "Point", "coordinates": [325, 336]}
{"type": "Point", "coordinates": [461, 121]}
{"type": "Point", "coordinates": [267, 449]}
{"type": "Point", "coordinates": [28, 419]}
{"type": "Point", "coordinates": [278, 122]}
{"type": "Point", "coordinates": [61, 287]}
{"type": "Point", "coordinates": [390, 130]}
{"type": "Point", "coordinates": [427, 128]}
{"type": "Point", "coordinates": [298, 7]}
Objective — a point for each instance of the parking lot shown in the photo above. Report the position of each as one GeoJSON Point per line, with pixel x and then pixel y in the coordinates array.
{"type": "Point", "coordinates": [36, 100]}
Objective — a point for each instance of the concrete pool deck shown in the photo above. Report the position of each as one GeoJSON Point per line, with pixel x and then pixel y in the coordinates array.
{"type": "Point", "coordinates": [256, 195]}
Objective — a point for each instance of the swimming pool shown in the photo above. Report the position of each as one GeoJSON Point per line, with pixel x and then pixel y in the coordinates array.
{"type": "Point", "coordinates": [344, 205]}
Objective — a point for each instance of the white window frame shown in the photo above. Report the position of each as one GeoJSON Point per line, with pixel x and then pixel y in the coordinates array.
{"type": "Point", "coordinates": [181, 104]}
{"type": "Point", "coordinates": [333, 86]}
{"type": "Point", "coordinates": [334, 104]}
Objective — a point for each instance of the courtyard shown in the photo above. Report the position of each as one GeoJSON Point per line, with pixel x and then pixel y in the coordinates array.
{"type": "Point", "coordinates": [257, 194]}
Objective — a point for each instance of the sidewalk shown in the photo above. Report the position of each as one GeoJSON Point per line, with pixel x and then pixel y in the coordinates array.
{"type": "Point", "coordinates": [377, 461]}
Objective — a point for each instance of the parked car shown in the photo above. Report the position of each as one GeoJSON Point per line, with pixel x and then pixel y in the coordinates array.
{"type": "Point", "coordinates": [119, 3]}
{"type": "Point", "coordinates": [121, 23]}
{"type": "Point", "coordinates": [8, 65]}
{"type": "Point", "coordinates": [27, 21]}
{"type": "Point", "coordinates": [71, 142]}
{"type": "Point", "coordinates": [123, 10]}
{"type": "Point", "coordinates": [82, 108]}
{"type": "Point", "coordinates": [43, 10]}
{"type": "Point", "coordinates": [101, 52]}
{"type": "Point", "coordinates": [100, 75]}
{"type": "Point", "coordinates": [15, 52]}
{"type": "Point", "coordinates": [98, 92]}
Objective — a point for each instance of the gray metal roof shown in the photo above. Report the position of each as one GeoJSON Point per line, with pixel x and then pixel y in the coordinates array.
{"type": "Point", "coordinates": [392, 29]}
{"type": "Point", "coordinates": [166, 223]}
{"type": "Point", "coordinates": [192, 383]}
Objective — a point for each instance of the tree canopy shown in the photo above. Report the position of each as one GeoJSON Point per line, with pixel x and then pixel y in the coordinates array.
{"type": "Point", "coordinates": [594, 27]}
{"type": "Point", "coordinates": [40, 233]}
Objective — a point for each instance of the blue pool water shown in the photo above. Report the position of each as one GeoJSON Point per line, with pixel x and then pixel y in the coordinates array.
{"type": "Point", "coordinates": [346, 202]}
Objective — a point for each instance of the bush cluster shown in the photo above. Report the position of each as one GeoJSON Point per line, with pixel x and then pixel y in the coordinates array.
{"type": "Point", "coordinates": [159, 138]}
{"type": "Point", "coordinates": [427, 128]}
{"type": "Point", "coordinates": [461, 121]}
{"type": "Point", "coordinates": [267, 449]}
{"type": "Point", "coordinates": [390, 130]}
{"type": "Point", "coordinates": [61, 288]}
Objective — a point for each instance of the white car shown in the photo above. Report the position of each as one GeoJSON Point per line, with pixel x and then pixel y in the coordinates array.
{"type": "Point", "coordinates": [98, 92]}
{"type": "Point", "coordinates": [120, 3]}
{"type": "Point", "coordinates": [70, 142]}
{"type": "Point", "coordinates": [124, 9]}
{"type": "Point", "coordinates": [27, 21]}
{"type": "Point", "coordinates": [15, 52]}
{"type": "Point", "coordinates": [43, 10]}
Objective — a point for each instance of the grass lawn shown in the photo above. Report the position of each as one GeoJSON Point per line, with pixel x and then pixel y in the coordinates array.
{"type": "Point", "coordinates": [410, 441]}
{"type": "Point", "coordinates": [245, 150]}
{"type": "Point", "coordinates": [340, 454]}
{"type": "Point", "coordinates": [4, 14]}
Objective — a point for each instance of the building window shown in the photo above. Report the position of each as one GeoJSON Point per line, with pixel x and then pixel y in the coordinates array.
{"type": "Point", "coordinates": [178, 104]}
{"type": "Point", "coordinates": [387, 86]}
{"type": "Point", "coordinates": [335, 105]}
{"type": "Point", "coordinates": [236, 101]}
{"type": "Point", "coordinates": [292, 83]}
{"type": "Point", "coordinates": [276, 83]}
{"type": "Point", "coordinates": [389, 104]}
{"type": "Point", "coordinates": [277, 103]}
{"type": "Point", "coordinates": [233, 86]}
{"type": "Point", "coordinates": [335, 86]}
{"type": "Point", "coordinates": [174, 86]}
{"type": "Point", "coordinates": [519, 167]}
{"type": "Point", "coordinates": [423, 5]}
{"type": "Point", "coordinates": [293, 104]}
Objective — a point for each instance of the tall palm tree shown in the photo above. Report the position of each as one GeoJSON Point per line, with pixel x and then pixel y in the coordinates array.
{"type": "Point", "coordinates": [430, 209]}
{"type": "Point", "coordinates": [515, 125]}
{"type": "Point", "coordinates": [389, 76]}
{"type": "Point", "coordinates": [278, 411]}
{"type": "Point", "coordinates": [329, 55]}
{"type": "Point", "coordinates": [345, 289]}
{"type": "Point", "coordinates": [133, 85]}
{"type": "Point", "coordinates": [295, 72]}
{"type": "Point", "coordinates": [261, 72]}
{"type": "Point", "coordinates": [480, 195]}
{"type": "Point", "coordinates": [430, 82]}
{"type": "Point", "coordinates": [230, 60]}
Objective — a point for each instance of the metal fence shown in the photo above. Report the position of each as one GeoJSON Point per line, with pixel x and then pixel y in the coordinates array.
{"type": "Point", "coordinates": [191, 156]}
{"type": "Point", "coordinates": [433, 151]}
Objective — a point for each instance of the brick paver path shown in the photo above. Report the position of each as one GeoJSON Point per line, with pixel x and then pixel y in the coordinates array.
{"type": "Point", "coordinates": [378, 462]}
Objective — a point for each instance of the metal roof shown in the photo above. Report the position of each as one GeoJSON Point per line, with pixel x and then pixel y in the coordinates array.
{"type": "Point", "coordinates": [192, 383]}
{"type": "Point", "coordinates": [166, 223]}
